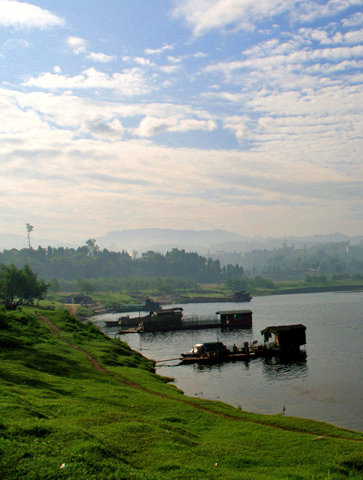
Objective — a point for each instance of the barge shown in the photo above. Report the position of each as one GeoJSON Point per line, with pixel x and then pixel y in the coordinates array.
{"type": "Point", "coordinates": [237, 297]}
{"type": "Point", "coordinates": [172, 319]}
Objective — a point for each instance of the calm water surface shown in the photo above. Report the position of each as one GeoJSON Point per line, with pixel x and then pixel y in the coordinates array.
{"type": "Point", "coordinates": [326, 386]}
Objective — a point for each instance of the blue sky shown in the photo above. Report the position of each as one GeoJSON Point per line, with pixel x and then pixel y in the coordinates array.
{"type": "Point", "coordinates": [196, 114]}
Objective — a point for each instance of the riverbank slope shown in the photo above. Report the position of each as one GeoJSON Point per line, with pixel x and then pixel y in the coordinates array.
{"type": "Point", "coordinates": [76, 404]}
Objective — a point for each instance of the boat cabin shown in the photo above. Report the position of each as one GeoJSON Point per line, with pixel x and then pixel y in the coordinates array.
{"type": "Point", "coordinates": [207, 349]}
{"type": "Point", "coordinates": [288, 338]}
{"type": "Point", "coordinates": [236, 318]}
{"type": "Point", "coordinates": [167, 319]}
{"type": "Point", "coordinates": [241, 296]}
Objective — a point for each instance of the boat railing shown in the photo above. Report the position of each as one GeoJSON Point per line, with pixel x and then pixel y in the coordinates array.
{"type": "Point", "coordinates": [200, 319]}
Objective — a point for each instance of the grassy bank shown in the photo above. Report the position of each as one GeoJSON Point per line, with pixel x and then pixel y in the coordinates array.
{"type": "Point", "coordinates": [78, 405]}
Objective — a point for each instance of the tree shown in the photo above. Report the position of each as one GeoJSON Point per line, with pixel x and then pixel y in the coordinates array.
{"type": "Point", "coordinates": [54, 286]}
{"type": "Point", "coordinates": [20, 285]}
{"type": "Point", "coordinates": [235, 283]}
{"type": "Point", "coordinates": [85, 286]}
{"type": "Point", "coordinates": [92, 247]}
{"type": "Point", "coordinates": [11, 280]}
{"type": "Point", "coordinates": [29, 229]}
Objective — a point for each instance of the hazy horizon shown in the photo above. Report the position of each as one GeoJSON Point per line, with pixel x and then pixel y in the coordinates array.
{"type": "Point", "coordinates": [237, 115]}
{"type": "Point", "coordinates": [166, 239]}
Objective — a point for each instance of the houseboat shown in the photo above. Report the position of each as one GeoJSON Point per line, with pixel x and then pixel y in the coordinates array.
{"type": "Point", "coordinates": [162, 321]}
{"type": "Point", "coordinates": [235, 318]}
{"type": "Point", "coordinates": [287, 341]}
{"type": "Point", "coordinates": [215, 352]}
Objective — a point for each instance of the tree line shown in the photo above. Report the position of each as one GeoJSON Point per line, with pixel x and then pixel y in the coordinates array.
{"type": "Point", "coordinates": [90, 262]}
{"type": "Point", "coordinates": [337, 258]}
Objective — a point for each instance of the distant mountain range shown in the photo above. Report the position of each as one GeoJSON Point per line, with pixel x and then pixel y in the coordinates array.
{"type": "Point", "coordinates": [202, 241]}
{"type": "Point", "coordinates": [205, 241]}
{"type": "Point", "coordinates": [165, 238]}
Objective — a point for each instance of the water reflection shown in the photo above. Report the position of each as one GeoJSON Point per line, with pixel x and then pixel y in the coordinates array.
{"type": "Point", "coordinates": [218, 366]}
{"type": "Point", "coordinates": [282, 369]}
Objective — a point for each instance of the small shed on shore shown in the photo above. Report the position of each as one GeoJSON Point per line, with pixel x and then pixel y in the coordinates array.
{"type": "Point", "coordinates": [236, 318]}
{"type": "Point", "coordinates": [287, 337]}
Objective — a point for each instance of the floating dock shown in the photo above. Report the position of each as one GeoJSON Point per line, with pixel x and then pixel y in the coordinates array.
{"type": "Point", "coordinates": [195, 326]}
{"type": "Point", "coordinates": [172, 319]}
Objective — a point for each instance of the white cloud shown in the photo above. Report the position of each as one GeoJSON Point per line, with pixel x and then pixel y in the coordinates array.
{"type": "Point", "coordinates": [51, 108]}
{"type": "Point", "coordinates": [354, 36]}
{"type": "Point", "coordinates": [129, 82]}
{"type": "Point", "coordinates": [100, 57]}
{"type": "Point", "coordinates": [280, 66]}
{"type": "Point", "coordinates": [205, 15]}
{"type": "Point", "coordinates": [173, 59]}
{"type": "Point", "coordinates": [143, 61]}
{"type": "Point", "coordinates": [151, 126]}
{"type": "Point", "coordinates": [12, 43]}
{"type": "Point", "coordinates": [326, 38]}
{"type": "Point", "coordinates": [25, 15]}
{"type": "Point", "coordinates": [77, 44]}
{"type": "Point", "coordinates": [104, 130]}
{"type": "Point", "coordinates": [354, 20]}
{"type": "Point", "coordinates": [169, 68]}
{"type": "Point", "coordinates": [239, 126]}
{"type": "Point", "coordinates": [200, 55]}
{"type": "Point", "coordinates": [294, 171]}
{"type": "Point", "coordinates": [150, 51]}
{"type": "Point", "coordinates": [228, 96]}
{"type": "Point", "coordinates": [57, 69]}
{"type": "Point", "coordinates": [308, 11]}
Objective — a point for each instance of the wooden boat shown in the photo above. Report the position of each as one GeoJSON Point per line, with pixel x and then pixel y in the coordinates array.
{"type": "Point", "coordinates": [215, 352]}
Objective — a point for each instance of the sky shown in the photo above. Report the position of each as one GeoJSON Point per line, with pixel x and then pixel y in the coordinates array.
{"type": "Point", "coordinates": [240, 115]}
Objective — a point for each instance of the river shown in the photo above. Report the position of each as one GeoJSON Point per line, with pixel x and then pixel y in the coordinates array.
{"type": "Point", "coordinates": [326, 386]}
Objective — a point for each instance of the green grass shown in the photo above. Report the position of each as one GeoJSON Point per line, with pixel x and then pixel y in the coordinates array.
{"type": "Point", "coordinates": [128, 423]}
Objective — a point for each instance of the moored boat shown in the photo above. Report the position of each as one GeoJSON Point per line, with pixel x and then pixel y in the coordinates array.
{"type": "Point", "coordinates": [214, 352]}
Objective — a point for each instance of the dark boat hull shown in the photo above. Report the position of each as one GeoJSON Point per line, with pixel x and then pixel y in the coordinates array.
{"type": "Point", "coordinates": [219, 359]}
{"type": "Point", "coordinates": [111, 323]}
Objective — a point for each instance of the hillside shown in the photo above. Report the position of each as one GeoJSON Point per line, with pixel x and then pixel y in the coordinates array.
{"type": "Point", "coordinates": [78, 405]}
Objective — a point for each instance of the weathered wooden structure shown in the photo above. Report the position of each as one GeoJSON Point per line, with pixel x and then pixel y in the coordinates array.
{"type": "Point", "coordinates": [168, 319]}
{"type": "Point", "coordinates": [288, 338]}
{"type": "Point", "coordinates": [236, 318]}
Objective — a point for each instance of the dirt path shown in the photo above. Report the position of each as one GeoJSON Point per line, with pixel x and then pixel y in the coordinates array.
{"type": "Point", "coordinates": [72, 308]}
{"type": "Point", "coordinates": [56, 332]}
{"type": "Point", "coordinates": [129, 383]}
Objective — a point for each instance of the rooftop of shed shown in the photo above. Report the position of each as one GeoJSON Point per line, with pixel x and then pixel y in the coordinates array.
{"type": "Point", "coordinates": [231, 312]}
